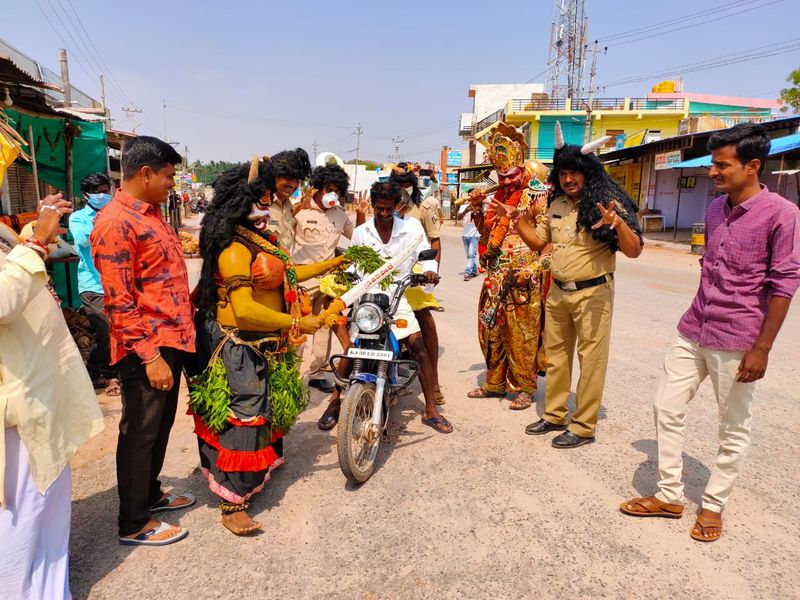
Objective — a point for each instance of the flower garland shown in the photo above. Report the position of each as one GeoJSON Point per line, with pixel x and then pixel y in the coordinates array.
{"type": "Point", "coordinates": [500, 227]}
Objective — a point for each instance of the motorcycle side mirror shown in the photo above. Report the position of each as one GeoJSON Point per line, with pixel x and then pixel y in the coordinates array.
{"type": "Point", "coordinates": [428, 254]}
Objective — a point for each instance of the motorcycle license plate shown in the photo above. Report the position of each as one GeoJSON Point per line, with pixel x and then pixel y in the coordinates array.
{"type": "Point", "coordinates": [370, 354]}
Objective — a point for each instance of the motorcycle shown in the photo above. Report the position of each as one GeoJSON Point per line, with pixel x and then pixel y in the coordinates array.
{"type": "Point", "coordinates": [376, 379]}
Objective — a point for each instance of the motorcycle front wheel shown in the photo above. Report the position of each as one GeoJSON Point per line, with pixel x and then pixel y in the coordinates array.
{"type": "Point", "coordinates": [356, 442]}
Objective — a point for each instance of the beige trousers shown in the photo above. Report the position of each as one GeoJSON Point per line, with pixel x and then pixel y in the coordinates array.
{"type": "Point", "coordinates": [685, 367]}
{"type": "Point", "coordinates": [581, 318]}
{"type": "Point", "coordinates": [320, 342]}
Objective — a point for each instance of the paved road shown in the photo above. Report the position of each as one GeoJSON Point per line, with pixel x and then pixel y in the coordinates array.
{"type": "Point", "coordinates": [486, 511]}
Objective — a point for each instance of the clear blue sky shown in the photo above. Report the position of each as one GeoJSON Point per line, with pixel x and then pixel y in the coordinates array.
{"type": "Point", "coordinates": [247, 77]}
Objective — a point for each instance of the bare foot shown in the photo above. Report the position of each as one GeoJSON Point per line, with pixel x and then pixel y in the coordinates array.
{"type": "Point", "coordinates": [240, 523]}
{"type": "Point", "coordinates": [156, 537]}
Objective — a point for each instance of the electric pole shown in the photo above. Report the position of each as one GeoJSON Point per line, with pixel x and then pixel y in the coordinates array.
{"type": "Point", "coordinates": [62, 59]}
{"type": "Point", "coordinates": [164, 111]}
{"type": "Point", "coordinates": [132, 110]}
{"type": "Point", "coordinates": [397, 141]}
{"type": "Point", "coordinates": [185, 158]}
{"type": "Point", "coordinates": [315, 145]}
{"type": "Point", "coordinates": [359, 132]}
{"type": "Point", "coordinates": [587, 130]}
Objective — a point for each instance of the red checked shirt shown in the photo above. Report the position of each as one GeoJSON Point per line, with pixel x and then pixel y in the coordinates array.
{"type": "Point", "coordinates": [144, 278]}
{"type": "Point", "coordinates": [752, 253]}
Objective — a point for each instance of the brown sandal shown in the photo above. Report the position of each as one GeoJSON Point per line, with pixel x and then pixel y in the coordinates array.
{"type": "Point", "coordinates": [439, 401]}
{"type": "Point", "coordinates": [522, 401]}
{"type": "Point", "coordinates": [479, 392]}
{"type": "Point", "coordinates": [651, 507]}
{"type": "Point", "coordinates": [707, 527]}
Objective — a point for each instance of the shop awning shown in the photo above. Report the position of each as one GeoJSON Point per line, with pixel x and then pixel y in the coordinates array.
{"type": "Point", "coordinates": [779, 145]}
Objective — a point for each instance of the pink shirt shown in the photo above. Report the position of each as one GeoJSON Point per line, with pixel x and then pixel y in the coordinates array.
{"type": "Point", "coordinates": [752, 253]}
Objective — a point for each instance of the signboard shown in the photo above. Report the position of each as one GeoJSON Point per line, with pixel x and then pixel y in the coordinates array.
{"type": "Point", "coordinates": [621, 141]}
{"type": "Point", "coordinates": [666, 159]}
{"type": "Point", "coordinates": [452, 178]}
{"type": "Point", "coordinates": [454, 158]}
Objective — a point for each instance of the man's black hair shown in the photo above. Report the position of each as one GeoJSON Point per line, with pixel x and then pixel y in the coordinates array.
{"type": "Point", "coordinates": [322, 177]}
{"type": "Point", "coordinates": [406, 179]}
{"type": "Point", "coordinates": [385, 190]}
{"type": "Point", "coordinates": [293, 164]}
{"type": "Point", "coordinates": [751, 141]}
{"type": "Point", "coordinates": [92, 182]}
{"type": "Point", "coordinates": [146, 151]}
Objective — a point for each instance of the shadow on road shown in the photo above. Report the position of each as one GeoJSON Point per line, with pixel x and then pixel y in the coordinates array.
{"type": "Point", "coordinates": [645, 477]}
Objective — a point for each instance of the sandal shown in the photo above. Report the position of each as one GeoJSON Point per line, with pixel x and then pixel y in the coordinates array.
{"type": "Point", "coordinates": [651, 507]}
{"type": "Point", "coordinates": [329, 418]}
{"type": "Point", "coordinates": [480, 392]}
{"type": "Point", "coordinates": [143, 539]}
{"type": "Point", "coordinates": [165, 504]}
{"type": "Point", "coordinates": [113, 388]}
{"type": "Point", "coordinates": [439, 424]}
{"type": "Point", "coordinates": [707, 527]}
{"type": "Point", "coordinates": [521, 402]}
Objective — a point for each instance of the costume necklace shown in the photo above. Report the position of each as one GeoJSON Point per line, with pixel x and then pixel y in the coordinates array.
{"type": "Point", "coordinates": [269, 244]}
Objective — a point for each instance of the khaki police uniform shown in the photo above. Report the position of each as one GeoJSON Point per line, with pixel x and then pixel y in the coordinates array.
{"type": "Point", "coordinates": [281, 222]}
{"type": "Point", "coordinates": [316, 237]}
{"type": "Point", "coordinates": [576, 316]}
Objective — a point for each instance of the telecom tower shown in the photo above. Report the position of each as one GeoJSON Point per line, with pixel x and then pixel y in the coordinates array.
{"type": "Point", "coordinates": [567, 53]}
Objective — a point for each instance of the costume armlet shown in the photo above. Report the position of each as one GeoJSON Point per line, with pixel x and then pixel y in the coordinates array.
{"type": "Point", "coordinates": [234, 282]}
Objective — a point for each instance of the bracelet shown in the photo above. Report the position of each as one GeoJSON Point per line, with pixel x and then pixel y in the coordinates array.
{"type": "Point", "coordinates": [154, 359]}
{"type": "Point", "coordinates": [40, 248]}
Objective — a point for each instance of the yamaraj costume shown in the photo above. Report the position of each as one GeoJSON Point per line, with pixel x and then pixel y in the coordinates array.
{"type": "Point", "coordinates": [510, 309]}
{"type": "Point", "coordinates": [251, 392]}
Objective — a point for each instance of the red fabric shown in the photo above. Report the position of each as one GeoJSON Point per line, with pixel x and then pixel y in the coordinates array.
{"type": "Point", "coordinates": [260, 420]}
{"type": "Point", "coordinates": [144, 278]}
{"type": "Point", "coordinates": [236, 460]}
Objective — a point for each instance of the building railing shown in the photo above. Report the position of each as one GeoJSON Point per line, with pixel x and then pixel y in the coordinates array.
{"type": "Point", "coordinates": [490, 120]}
{"type": "Point", "coordinates": [597, 104]}
{"type": "Point", "coordinates": [466, 130]}
{"type": "Point", "coordinates": [538, 104]}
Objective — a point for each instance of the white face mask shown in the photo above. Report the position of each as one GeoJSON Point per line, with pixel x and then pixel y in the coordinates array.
{"type": "Point", "coordinates": [409, 190]}
{"type": "Point", "coordinates": [330, 200]}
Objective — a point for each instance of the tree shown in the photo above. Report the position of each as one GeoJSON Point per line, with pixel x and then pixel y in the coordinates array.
{"type": "Point", "coordinates": [208, 172]}
{"type": "Point", "coordinates": [370, 165]}
{"type": "Point", "coordinates": [791, 95]}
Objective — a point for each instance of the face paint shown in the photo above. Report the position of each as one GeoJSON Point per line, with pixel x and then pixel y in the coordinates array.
{"type": "Point", "coordinates": [259, 216]}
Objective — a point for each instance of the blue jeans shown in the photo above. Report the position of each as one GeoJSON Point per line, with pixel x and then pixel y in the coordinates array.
{"type": "Point", "coordinates": [471, 248]}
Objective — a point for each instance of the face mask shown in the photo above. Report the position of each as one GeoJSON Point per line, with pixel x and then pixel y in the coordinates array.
{"type": "Point", "coordinates": [330, 200]}
{"type": "Point", "coordinates": [259, 216]}
{"type": "Point", "coordinates": [409, 190]}
{"type": "Point", "coordinates": [98, 201]}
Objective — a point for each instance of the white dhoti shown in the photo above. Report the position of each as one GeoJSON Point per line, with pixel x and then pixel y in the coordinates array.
{"type": "Point", "coordinates": [34, 530]}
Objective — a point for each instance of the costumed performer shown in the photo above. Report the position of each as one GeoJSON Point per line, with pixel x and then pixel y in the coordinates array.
{"type": "Point", "coordinates": [250, 320]}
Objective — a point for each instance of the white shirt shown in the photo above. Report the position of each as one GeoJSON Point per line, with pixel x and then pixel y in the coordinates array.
{"type": "Point", "coordinates": [45, 390]}
{"type": "Point", "coordinates": [403, 232]}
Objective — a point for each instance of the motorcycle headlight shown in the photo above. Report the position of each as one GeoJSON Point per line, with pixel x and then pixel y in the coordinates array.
{"type": "Point", "coordinates": [368, 318]}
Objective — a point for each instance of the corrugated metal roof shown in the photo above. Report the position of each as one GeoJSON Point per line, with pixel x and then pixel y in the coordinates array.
{"type": "Point", "coordinates": [779, 145]}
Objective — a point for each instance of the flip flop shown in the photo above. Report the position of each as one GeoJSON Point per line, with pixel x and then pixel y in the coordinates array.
{"type": "Point", "coordinates": [113, 388]}
{"type": "Point", "coordinates": [438, 424]}
{"type": "Point", "coordinates": [163, 505]}
{"type": "Point", "coordinates": [701, 526]}
{"type": "Point", "coordinates": [651, 507]}
{"type": "Point", "coordinates": [143, 539]}
{"type": "Point", "coordinates": [482, 393]}
{"type": "Point", "coordinates": [439, 397]}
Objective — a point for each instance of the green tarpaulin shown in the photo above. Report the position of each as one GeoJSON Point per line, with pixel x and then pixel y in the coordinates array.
{"type": "Point", "coordinates": [88, 148]}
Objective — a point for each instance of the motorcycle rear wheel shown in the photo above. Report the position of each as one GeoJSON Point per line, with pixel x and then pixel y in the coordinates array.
{"type": "Point", "coordinates": [357, 452]}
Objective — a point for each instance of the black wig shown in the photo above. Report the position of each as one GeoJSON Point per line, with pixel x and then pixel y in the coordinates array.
{"type": "Point", "coordinates": [406, 179]}
{"type": "Point", "coordinates": [293, 164]}
{"type": "Point", "coordinates": [330, 175]}
{"type": "Point", "coordinates": [233, 201]}
{"type": "Point", "coordinates": [598, 187]}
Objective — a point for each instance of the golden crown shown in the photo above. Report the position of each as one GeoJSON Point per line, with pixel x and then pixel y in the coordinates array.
{"type": "Point", "coordinates": [506, 147]}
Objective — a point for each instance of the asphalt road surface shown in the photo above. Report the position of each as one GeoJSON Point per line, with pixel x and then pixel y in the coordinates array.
{"type": "Point", "coordinates": [486, 512]}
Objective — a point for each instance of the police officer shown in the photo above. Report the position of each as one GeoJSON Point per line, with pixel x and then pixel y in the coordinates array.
{"type": "Point", "coordinates": [319, 221]}
{"type": "Point", "coordinates": [588, 219]}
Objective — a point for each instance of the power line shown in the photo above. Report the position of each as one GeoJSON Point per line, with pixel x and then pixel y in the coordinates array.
{"type": "Point", "coordinates": [712, 63]}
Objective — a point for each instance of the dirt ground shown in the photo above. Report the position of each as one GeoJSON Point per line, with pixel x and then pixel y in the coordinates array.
{"type": "Point", "coordinates": [486, 512]}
